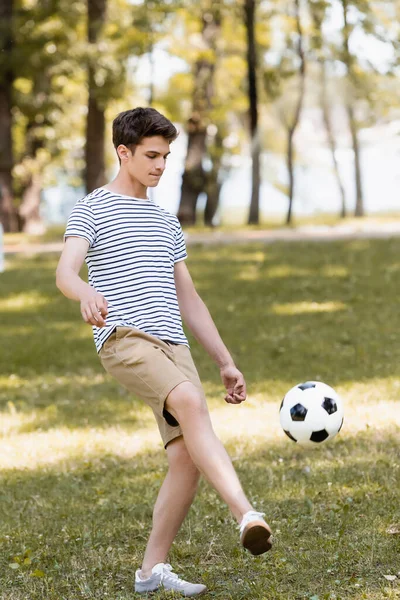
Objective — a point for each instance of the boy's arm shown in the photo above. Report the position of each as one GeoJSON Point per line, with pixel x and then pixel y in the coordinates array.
{"type": "Point", "coordinates": [93, 304]}
{"type": "Point", "coordinates": [198, 319]}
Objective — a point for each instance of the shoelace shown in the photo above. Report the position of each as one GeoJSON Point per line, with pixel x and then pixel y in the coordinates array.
{"type": "Point", "coordinates": [252, 515]}
{"type": "Point", "coordinates": [167, 573]}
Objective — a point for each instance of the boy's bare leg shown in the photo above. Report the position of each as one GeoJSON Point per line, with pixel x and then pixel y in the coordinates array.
{"type": "Point", "coordinates": [173, 502]}
{"type": "Point", "coordinates": [189, 407]}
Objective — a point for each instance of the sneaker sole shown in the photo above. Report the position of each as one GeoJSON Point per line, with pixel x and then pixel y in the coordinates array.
{"type": "Point", "coordinates": [256, 538]}
{"type": "Point", "coordinates": [161, 587]}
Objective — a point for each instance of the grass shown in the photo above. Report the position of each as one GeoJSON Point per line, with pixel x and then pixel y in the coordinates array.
{"type": "Point", "coordinates": [235, 221]}
{"type": "Point", "coordinates": [81, 460]}
{"type": "Point", "coordinates": [54, 233]}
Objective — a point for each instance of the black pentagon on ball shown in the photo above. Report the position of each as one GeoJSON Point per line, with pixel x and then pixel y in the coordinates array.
{"type": "Point", "coordinates": [290, 435]}
{"type": "Point", "coordinates": [283, 400]}
{"type": "Point", "coordinates": [298, 412]}
{"type": "Point", "coordinates": [329, 405]}
{"type": "Point", "coordinates": [341, 425]}
{"type": "Point", "coordinates": [319, 436]}
{"type": "Point", "coordinates": [307, 385]}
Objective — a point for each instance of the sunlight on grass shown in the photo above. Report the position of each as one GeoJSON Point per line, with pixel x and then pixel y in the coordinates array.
{"type": "Point", "coordinates": [51, 382]}
{"type": "Point", "coordinates": [250, 273]}
{"type": "Point", "coordinates": [233, 253]}
{"type": "Point", "coordinates": [39, 450]}
{"type": "Point", "coordinates": [287, 271]}
{"type": "Point", "coordinates": [20, 302]}
{"type": "Point", "coordinates": [251, 425]}
{"type": "Point", "coordinates": [11, 382]}
{"type": "Point", "coordinates": [82, 460]}
{"type": "Point", "coordinates": [12, 421]}
{"type": "Point", "coordinates": [334, 271]}
{"type": "Point", "coordinates": [257, 422]}
{"type": "Point", "coordinates": [298, 308]}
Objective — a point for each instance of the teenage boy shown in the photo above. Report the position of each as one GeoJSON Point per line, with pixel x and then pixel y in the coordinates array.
{"type": "Point", "coordinates": [139, 288]}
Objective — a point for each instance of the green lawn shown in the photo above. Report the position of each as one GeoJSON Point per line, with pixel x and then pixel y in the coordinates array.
{"type": "Point", "coordinates": [234, 221]}
{"type": "Point", "coordinates": [81, 460]}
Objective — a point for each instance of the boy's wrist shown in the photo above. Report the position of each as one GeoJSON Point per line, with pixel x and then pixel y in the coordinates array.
{"type": "Point", "coordinates": [85, 291]}
{"type": "Point", "coordinates": [225, 363]}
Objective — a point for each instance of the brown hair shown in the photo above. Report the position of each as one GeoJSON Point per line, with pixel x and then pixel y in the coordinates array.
{"type": "Point", "coordinates": [131, 126]}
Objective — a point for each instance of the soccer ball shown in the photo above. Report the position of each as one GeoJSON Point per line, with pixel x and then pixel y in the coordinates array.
{"type": "Point", "coordinates": [311, 413]}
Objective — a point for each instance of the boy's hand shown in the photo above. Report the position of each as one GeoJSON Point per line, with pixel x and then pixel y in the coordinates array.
{"type": "Point", "coordinates": [94, 308]}
{"type": "Point", "coordinates": [235, 384]}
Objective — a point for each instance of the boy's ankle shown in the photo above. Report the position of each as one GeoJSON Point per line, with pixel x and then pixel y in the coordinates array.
{"type": "Point", "coordinates": [145, 574]}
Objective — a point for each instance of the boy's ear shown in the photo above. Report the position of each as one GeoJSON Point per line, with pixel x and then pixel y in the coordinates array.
{"type": "Point", "coordinates": [123, 152]}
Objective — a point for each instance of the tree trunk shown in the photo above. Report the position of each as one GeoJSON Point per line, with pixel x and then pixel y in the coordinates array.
{"type": "Point", "coordinates": [213, 193]}
{"type": "Point", "coordinates": [150, 54]}
{"type": "Point", "coordinates": [29, 209]}
{"type": "Point", "coordinates": [359, 209]}
{"type": "Point", "coordinates": [213, 183]}
{"type": "Point", "coordinates": [95, 124]}
{"type": "Point", "coordinates": [290, 161]}
{"type": "Point", "coordinates": [330, 135]}
{"type": "Point", "coordinates": [349, 62]}
{"type": "Point", "coordinates": [249, 18]}
{"type": "Point", "coordinates": [30, 206]}
{"type": "Point", "coordinates": [194, 180]}
{"type": "Point", "coordinates": [299, 105]}
{"type": "Point", "coordinates": [8, 213]}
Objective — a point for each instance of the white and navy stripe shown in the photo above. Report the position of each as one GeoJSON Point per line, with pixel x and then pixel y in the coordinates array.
{"type": "Point", "coordinates": [133, 246]}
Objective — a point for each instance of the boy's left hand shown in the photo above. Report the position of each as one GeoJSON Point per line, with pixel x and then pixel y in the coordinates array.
{"type": "Point", "coordinates": [235, 384]}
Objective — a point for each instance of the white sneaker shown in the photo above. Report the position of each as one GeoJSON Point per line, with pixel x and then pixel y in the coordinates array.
{"type": "Point", "coordinates": [163, 577]}
{"type": "Point", "coordinates": [255, 533]}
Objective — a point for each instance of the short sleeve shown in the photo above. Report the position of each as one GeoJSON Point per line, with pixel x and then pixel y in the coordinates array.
{"type": "Point", "coordinates": [82, 223]}
{"type": "Point", "coordinates": [180, 246]}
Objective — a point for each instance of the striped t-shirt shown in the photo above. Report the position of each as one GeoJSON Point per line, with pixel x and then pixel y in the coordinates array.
{"type": "Point", "coordinates": [133, 246]}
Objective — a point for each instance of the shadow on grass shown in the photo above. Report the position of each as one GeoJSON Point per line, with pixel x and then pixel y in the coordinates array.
{"type": "Point", "coordinates": [287, 312]}
{"type": "Point", "coordinates": [84, 524]}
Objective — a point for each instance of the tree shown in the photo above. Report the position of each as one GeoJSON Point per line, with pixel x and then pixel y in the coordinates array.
{"type": "Point", "coordinates": [151, 20]}
{"type": "Point", "coordinates": [249, 19]}
{"type": "Point", "coordinates": [372, 20]}
{"type": "Point", "coordinates": [318, 9]}
{"type": "Point", "coordinates": [194, 179]}
{"type": "Point", "coordinates": [292, 125]}
{"type": "Point", "coordinates": [225, 116]}
{"type": "Point", "coordinates": [42, 34]}
{"type": "Point", "coordinates": [112, 40]}
{"type": "Point", "coordinates": [46, 69]}
{"type": "Point", "coordinates": [29, 209]}
{"type": "Point", "coordinates": [353, 83]}
{"type": "Point", "coordinates": [285, 82]}
{"type": "Point", "coordinates": [213, 181]}
{"type": "Point", "coordinates": [326, 114]}
{"type": "Point", "coordinates": [8, 216]}
{"type": "Point", "coordinates": [95, 126]}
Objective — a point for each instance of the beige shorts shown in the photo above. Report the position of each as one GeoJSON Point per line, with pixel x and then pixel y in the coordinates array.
{"type": "Point", "coordinates": [150, 368]}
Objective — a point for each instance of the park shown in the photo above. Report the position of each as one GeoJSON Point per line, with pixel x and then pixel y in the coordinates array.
{"type": "Point", "coordinates": [76, 447]}
{"type": "Point", "coordinates": [272, 162]}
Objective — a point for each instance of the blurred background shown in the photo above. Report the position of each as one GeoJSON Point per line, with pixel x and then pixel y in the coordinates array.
{"type": "Point", "coordinates": [286, 108]}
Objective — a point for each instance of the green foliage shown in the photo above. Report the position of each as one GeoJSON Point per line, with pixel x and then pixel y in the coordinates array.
{"type": "Point", "coordinates": [47, 49]}
{"type": "Point", "coordinates": [51, 56]}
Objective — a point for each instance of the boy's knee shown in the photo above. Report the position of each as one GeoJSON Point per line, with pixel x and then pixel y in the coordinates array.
{"type": "Point", "coordinates": [180, 461]}
{"type": "Point", "coordinates": [187, 467]}
{"type": "Point", "coordinates": [186, 399]}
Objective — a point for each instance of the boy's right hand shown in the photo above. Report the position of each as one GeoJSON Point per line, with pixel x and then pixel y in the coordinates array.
{"type": "Point", "coordinates": [94, 308]}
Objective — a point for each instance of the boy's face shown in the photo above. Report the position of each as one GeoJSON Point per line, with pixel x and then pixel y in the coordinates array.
{"type": "Point", "coordinates": [148, 162]}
